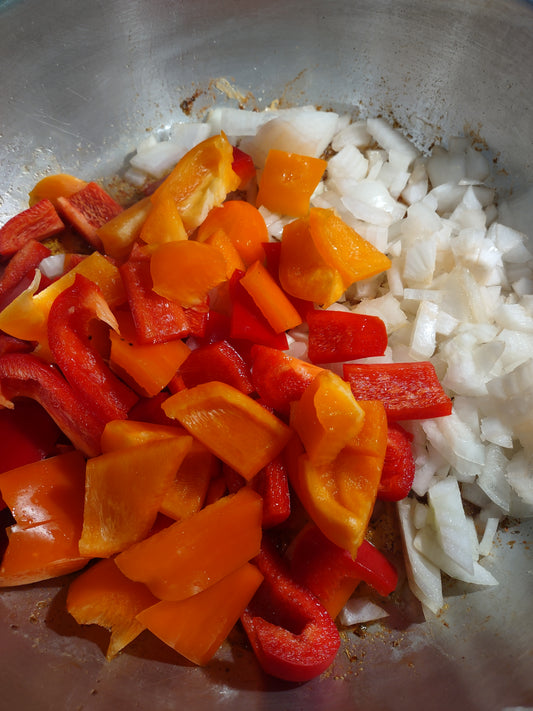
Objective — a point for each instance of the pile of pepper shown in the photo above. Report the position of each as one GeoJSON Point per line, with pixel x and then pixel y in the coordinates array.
{"type": "Point", "coordinates": [155, 432]}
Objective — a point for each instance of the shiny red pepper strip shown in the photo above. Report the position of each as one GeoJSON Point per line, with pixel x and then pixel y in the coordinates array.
{"type": "Point", "coordinates": [22, 263]}
{"type": "Point", "coordinates": [409, 391]}
{"type": "Point", "coordinates": [338, 336]}
{"type": "Point", "coordinates": [27, 433]}
{"type": "Point", "coordinates": [26, 375]}
{"type": "Point", "coordinates": [84, 368]}
{"type": "Point", "coordinates": [399, 465]}
{"type": "Point", "coordinates": [10, 344]}
{"type": "Point", "coordinates": [87, 210]}
{"type": "Point", "coordinates": [216, 361]}
{"type": "Point", "coordinates": [292, 635]}
{"type": "Point", "coordinates": [273, 256]}
{"type": "Point", "coordinates": [37, 222]}
{"type": "Point", "coordinates": [320, 565]}
{"type": "Point", "coordinates": [156, 318]}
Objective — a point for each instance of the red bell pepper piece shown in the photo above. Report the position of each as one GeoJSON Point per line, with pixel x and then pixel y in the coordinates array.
{"type": "Point", "coordinates": [409, 391]}
{"type": "Point", "coordinates": [399, 465]}
{"type": "Point", "coordinates": [243, 165]}
{"type": "Point", "coordinates": [338, 336]}
{"type": "Point", "coordinates": [197, 319]}
{"type": "Point", "coordinates": [247, 321]}
{"type": "Point", "coordinates": [26, 260]}
{"type": "Point", "coordinates": [10, 344]}
{"type": "Point", "coordinates": [156, 318]}
{"type": "Point", "coordinates": [216, 361]}
{"type": "Point", "coordinates": [26, 375]}
{"type": "Point", "coordinates": [87, 210]}
{"type": "Point", "coordinates": [320, 565]}
{"type": "Point", "coordinates": [273, 256]}
{"type": "Point", "coordinates": [83, 367]}
{"type": "Point", "coordinates": [278, 378]}
{"type": "Point", "coordinates": [148, 409]}
{"type": "Point", "coordinates": [36, 223]}
{"type": "Point", "coordinates": [292, 635]}
{"type": "Point", "coordinates": [27, 433]}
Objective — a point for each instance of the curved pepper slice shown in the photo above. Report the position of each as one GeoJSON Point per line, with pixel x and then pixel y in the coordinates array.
{"type": "Point", "coordinates": [36, 222]}
{"type": "Point", "coordinates": [338, 336]}
{"type": "Point", "coordinates": [21, 264]}
{"type": "Point", "coordinates": [232, 425]}
{"type": "Point", "coordinates": [292, 635]}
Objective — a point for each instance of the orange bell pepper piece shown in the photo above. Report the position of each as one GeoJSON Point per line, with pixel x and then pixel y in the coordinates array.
{"type": "Point", "coordinates": [53, 186]}
{"type": "Point", "coordinates": [197, 626]}
{"type": "Point", "coordinates": [327, 417]}
{"type": "Point", "coordinates": [123, 492]}
{"type": "Point", "coordinates": [46, 500]}
{"type": "Point", "coordinates": [200, 181]}
{"type": "Point", "coordinates": [232, 258]}
{"type": "Point", "coordinates": [148, 367]}
{"type": "Point", "coordinates": [244, 225]}
{"type": "Point", "coordinates": [192, 555]}
{"type": "Point", "coordinates": [185, 271]}
{"type": "Point", "coordinates": [302, 270]}
{"type": "Point", "coordinates": [343, 249]}
{"type": "Point", "coordinates": [120, 434]}
{"type": "Point", "coordinates": [232, 425]}
{"type": "Point", "coordinates": [102, 595]}
{"type": "Point", "coordinates": [119, 234]}
{"type": "Point", "coordinates": [287, 182]}
{"type": "Point", "coordinates": [164, 223]}
{"type": "Point", "coordinates": [270, 298]}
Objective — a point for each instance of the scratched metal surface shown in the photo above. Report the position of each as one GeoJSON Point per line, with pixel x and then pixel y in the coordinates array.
{"type": "Point", "coordinates": [81, 83]}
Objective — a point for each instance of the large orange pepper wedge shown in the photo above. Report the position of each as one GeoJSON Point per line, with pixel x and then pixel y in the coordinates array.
{"type": "Point", "coordinates": [343, 248]}
{"type": "Point", "coordinates": [164, 223]}
{"type": "Point", "coordinates": [185, 271]}
{"type": "Point", "coordinates": [121, 434]}
{"type": "Point", "coordinates": [244, 225]}
{"type": "Point", "coordinates": [327, 417]}
{"type": "Point", "coordinates": [46, 500]}
{"type": "Point", "coordinates": [197, 626]}
{"type": "Point", "coordinates": [270, 298]}
{"type": "Point", "coordinates": [53, 186]}
{"type": "Point", "coordinates": [119, 234]}
{"type": "Point", "coordinates": [232, 425]}
{"type": "Point", "coordinates": [123, 491]}
{"type": "Point", "coordinates": [303, 272]}
{"type": "Point", "coordinates": [191, 555]}
{"type": "Point", "coordinates": [287, 182]}
{"type": "Point", "coordinates": [200, 181]}
{"type": "Point", "coordinates": [102, 595]}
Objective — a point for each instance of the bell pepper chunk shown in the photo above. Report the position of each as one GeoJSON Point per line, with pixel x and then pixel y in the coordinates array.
{"type": "Point", "coordinates": [217, 361]}
{"type": "Point", "coordinates": [87, 210]}
{"type": "Point", "coordinates": [243, 166]}
{"type": "Point", "coordinates": [230, 424]}
{"type": "Point", "coordinates": [123, 492]}
{"type": "Point", "coordinates": [232, 259]}
{"type": "Point", "coordinates": [242, 223]}
{"type": "Point", "coordinates": [21, 264]}
{"type": "Point", "coordinates": [270, 298]}
{"type": "Point", "coordinates": [399, 465]}
{"type": "Point", "coordinates": [293, 636]}
{"type": "Point", "coordinates": [46, 500]}
{"type": "Point", "coordinates": [409, 391]}
{"type": "Point", "coordinates": [200, 181]}
{"type": "Point", "coordinates": [35, 223]}
{"type": "Point", "coordinates": [120, 233]}
{"type": "Point", "coordinates": [192, 555]}
{"type": "Point", "coordinates": [164, 223]}
{"type": "Point", "coordinates": [122, 434]}
{"type": "Point", "coordinates": [197, 626]}
{"type": "Point", "coordinates": [27, 433]}
{"type": "Point", "coordinates": [53, 186]}
{"type": "Point", "coordinates": [338, 336]}
{"type": "Point", "coordinates": [26, 375]}
{"type": "Point", "coordinates": [83, 367]}
{"type": "Point", "coordinates": [287, 182]}
{"type": "Point", "coordinates": [343, 248]}
{"type": "Point", "coordinates": [102, 595]}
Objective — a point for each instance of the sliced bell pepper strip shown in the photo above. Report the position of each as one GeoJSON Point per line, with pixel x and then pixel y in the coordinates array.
{"type": "Point", "coordinates": [409, 391]}
{"type": "Point", "coordinates": [287, 182]}
{"type": "Point", "coordinates": [23, 262]}
{"type": "Point", "coordinates": [120, 232]}
{"type": "Point", "coordinates": [35, 223]}
{"type": "Point", "coordinates": [164, 223]}
{"type": "Point", "coordinates": [273, 256]}
{"type": "Point", "coordinates": [216, 361]}
{"type": "Point", "coordinates": [122, 434]}
{"type": "Point", "coordinates": [270, 298]}
{"type": "Point", "coordinates": [27, 433]}
{"type": "Point", "coordinates": [278, 378]}
{"type": "Point", "coordinates": [326, 417]}
{"type": "Point", "coordinates": [232, 259]}
{"type": "Point", "coordinates": [87, 210]}
{"type": "Point", "coordinates": [244, 225]}
{"type": "Point", "coordinates": [243, 166]}
{"type": "Point", "coordinates": [197, 626]}
{"type": "Point", "coordinates": [227, 421]}
{"type": "Point", "coordinates": [399, 465]}
{"type": "Point", "coordinates": [338, 336]}
{"type": "Point", "coordinates": [83, 367]}
{"type": "Point", "coordinates": [26, 375]}
{"type": "Point", "coordinates": [200, 181]}
{"type": "Point", "coordinates": [123, 492]}
{"type": "Point", "coordinates": [292, 635]}
{"type": "Point", "coordinates": [102, 595]}
{"type": "Point", "coordinates": [157, 319]}
{"type": "Point", "coordinates": [46, 500]}
{"type": "Point", "coordinates": [191, 555]}
{"type": "Point", "coordinates": [53, 186]}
